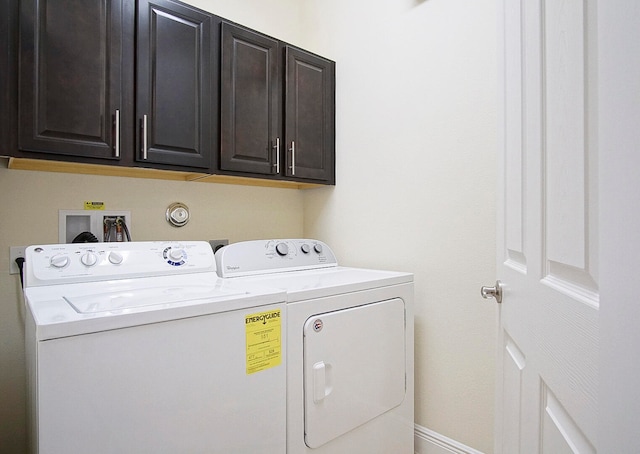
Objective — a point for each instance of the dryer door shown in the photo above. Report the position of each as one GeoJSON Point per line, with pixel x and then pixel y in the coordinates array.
{"type": "Point", "coordinates": [354, 368]}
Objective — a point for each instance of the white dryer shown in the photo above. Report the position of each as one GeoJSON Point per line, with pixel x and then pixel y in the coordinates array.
{"type": "Point", "coordinates": [141, 348]}
{"type": "Point", "coordinates": [350, 382]}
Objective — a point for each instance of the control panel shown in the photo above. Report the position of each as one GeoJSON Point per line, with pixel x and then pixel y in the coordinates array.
{"type": "Point", "coordinates": [270, 256]}
{"type": "Point", "coordinates": [86, 262]}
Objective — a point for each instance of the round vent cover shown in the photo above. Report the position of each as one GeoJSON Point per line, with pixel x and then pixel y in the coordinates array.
{"type": "Point", "coordinates": [177, 214]}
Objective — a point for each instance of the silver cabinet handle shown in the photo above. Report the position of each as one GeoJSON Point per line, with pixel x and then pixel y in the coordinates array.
{"type": "Point", "coordinates": [277, 148]}
{"type": "Point", "coordinates": [144, 137]}
{"type": "Point", "coordinates": [293, 158]}
{"type": "Point", "coordinates": [492, 292]}
{"type": "Point", "coordinates": [117, 134]}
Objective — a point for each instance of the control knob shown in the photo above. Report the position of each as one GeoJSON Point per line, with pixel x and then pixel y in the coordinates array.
{"type": "Point", "coordinates": [59, 261]}
{"type": "Point", "coordinates": [282, 249]}
{"type": "Point", "coordinates": [115, 257]}
{"type": "Point", "coordinates": [318, 248]}
{"type": "Point", "coordinates": [89, 259]}
{"type": "Point", "coordinates": [176, 255]}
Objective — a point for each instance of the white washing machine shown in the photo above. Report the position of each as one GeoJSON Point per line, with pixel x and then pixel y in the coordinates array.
{"type": "Point", "coordinates": [350, 383]}
{"type": "Point", "coordinates": [141, 348]}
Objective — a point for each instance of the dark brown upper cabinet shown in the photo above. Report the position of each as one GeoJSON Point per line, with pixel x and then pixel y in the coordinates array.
{"type": "Point", "coordinates": [165, 85]}
{"type": "Point", "coordinates": [76, 78]}
{"type": "Point", "coordinates": [277, 108]}
{"type": "Point", "coordinates": [309, 116]}
{"type": "Point", "coordinates": [8, 75]}
{"type": "Point", "coordinates": [77, 64]}
{"type": "Point", "coordinates": [250, 101]}
{"type": "Point", "coordinates": [176, 84]}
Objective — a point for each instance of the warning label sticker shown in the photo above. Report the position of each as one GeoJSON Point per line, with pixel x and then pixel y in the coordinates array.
{"type": "Point", "coordinates": [94, 205]}
{"type": "Point", "coordinates": [264, 341]}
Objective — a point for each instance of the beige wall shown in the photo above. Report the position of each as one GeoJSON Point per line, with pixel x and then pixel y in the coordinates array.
{"type": "Point", "coordinates": [277, 18]}
{"type": "Point", "coordinates": [416, 115]}
{"type": "Point", "coordinates": [416, 141]}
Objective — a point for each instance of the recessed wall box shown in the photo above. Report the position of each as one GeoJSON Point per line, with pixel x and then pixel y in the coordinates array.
{"type": "Point", "coordinates": [74, 222]}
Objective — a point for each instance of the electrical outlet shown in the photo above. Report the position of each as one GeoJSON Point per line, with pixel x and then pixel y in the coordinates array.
{"type": "Point", "coordinates": [14, 253]}
{"type": "Point", "coordinates": [217, 244]}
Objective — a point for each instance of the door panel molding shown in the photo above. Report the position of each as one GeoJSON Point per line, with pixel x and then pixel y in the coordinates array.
{"type": "Point", "coordinates": [514, 140]}
{"type": "Point", "coordinates": [557, 424]}
{"type": "Point", "coordinates": [569, 148]}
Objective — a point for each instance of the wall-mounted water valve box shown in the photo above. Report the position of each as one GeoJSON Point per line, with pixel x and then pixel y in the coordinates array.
{"type": "Point", "coordinates": [86, 226]}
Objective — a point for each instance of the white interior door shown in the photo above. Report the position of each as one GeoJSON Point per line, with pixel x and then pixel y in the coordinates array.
{"type": "Point", "coordinates": [548, 228]}
{"type": "Point", "coordinates": [619, 138]}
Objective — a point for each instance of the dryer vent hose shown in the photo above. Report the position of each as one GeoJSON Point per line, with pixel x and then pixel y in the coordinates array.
{"type": "Point", "coordinates": [85, 237]}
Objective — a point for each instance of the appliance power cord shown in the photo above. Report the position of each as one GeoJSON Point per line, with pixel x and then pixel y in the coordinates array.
{"type": "Point", "coordinates": [20, 263]}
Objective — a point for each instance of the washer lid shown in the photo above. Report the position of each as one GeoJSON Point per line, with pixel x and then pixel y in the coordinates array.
{"type": "Point", "coordinates": [140, 297]}
{"type": "Point", "coordinates": [74, 309]}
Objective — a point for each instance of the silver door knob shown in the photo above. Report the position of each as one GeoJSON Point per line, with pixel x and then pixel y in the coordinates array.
{"type": "Point", "coordinates": [492, 292]}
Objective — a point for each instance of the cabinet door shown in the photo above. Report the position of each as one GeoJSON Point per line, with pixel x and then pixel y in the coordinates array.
{"type": "Point", "coordinates": [8, 82]}
{"type": "Point", "coordinates": [76, 77]}
{"type": "Point", "coordinates": [176, 62]}
{"type": "Point", "coordinates": [250, 102]}
{"type": "Point", "coordinates": [310, 116]}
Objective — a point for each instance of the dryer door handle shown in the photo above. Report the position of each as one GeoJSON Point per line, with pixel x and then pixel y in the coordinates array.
{"type": "Point", "coordinates": [321, 386]}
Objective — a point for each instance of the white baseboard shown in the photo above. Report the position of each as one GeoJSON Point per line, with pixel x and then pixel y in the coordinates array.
{"type": "Point", "coordinates": [428, 441]}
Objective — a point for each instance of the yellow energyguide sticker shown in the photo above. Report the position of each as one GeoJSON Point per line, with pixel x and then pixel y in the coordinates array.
{"type": "Point", "coordinates": [264, 340]}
